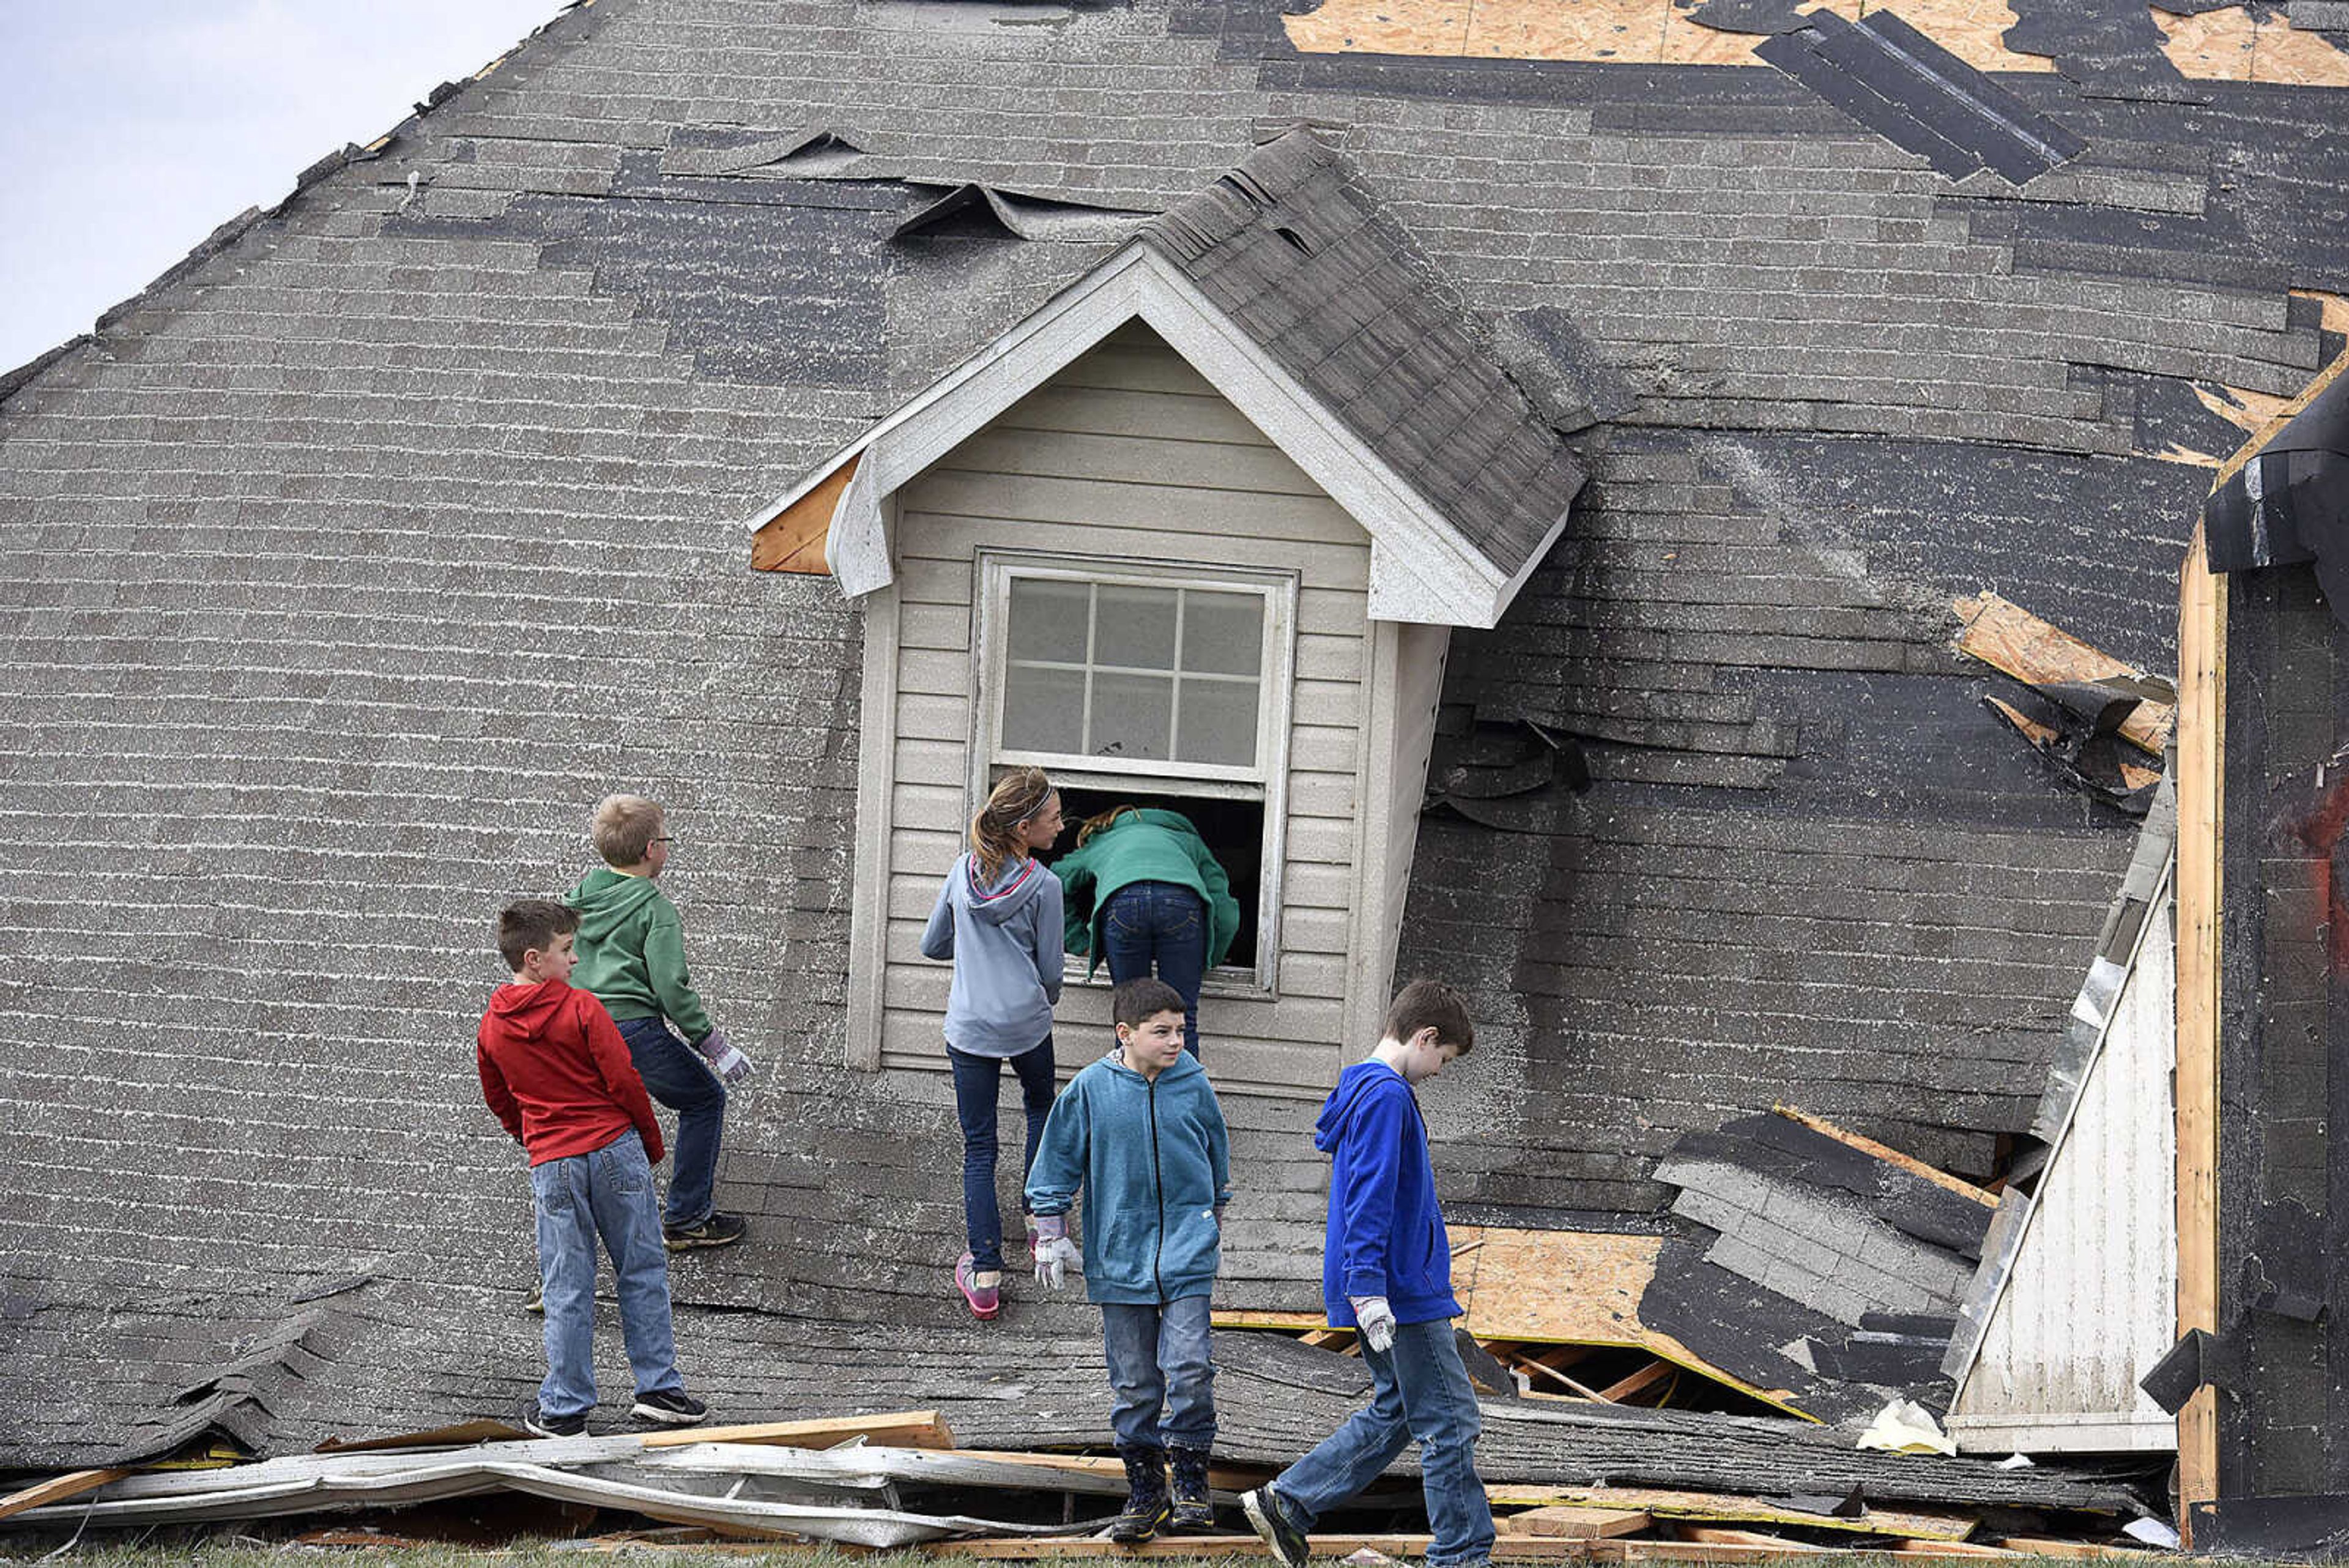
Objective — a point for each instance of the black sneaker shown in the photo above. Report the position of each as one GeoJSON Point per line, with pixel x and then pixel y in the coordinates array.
{"type": "Point", "coordinates": [717, 1231]}
{"type": "Point", "coordinates": [671, 1407]}
{"type": "Point", "coordinates": [1269, 1517]}
{"type": "Point", "coordinates": [539, 1424]}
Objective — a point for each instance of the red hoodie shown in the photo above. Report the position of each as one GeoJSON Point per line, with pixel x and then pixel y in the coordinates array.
{"type": "Point", "coordinates": [557, 1074]}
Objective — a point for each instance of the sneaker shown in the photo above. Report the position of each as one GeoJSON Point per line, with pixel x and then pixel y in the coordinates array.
{"type": "Point", "coordinates": [1269, 1517]}
{"type": "Point", "coordinates": [717, 1231]}
{"type": "Point", "coordinates": [986, 1300]}
{"type": "Point", "coordinates": [539, 1424]}
{"type": "Point", "coordinates": [671, 1407]}
{"type": "Point", "coordinates": [536, 1300]}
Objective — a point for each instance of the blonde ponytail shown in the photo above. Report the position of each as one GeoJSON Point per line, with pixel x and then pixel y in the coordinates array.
{"type": "Point", "coordinates": [996, 832]}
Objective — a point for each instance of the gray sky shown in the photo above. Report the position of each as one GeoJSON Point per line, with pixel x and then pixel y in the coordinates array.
{"type": "Point", "coordinates": [131, 128]}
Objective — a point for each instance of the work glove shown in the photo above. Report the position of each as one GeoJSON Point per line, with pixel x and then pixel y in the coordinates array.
{"type": "Point", "coordinates": [1376, 1320]}
{"type": "Point", "coordinates": [1055, 1253]}
{"type": "Point", "coordinates": [724, 1060]}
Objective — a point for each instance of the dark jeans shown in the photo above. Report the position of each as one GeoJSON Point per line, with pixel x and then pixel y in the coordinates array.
{"type": "Point", "coordinates": [675, 1076]}
{"type": "Point", "coordinates": [977, 1080]}
{"type": "Point", "coordinates": [1158, 923]}
{"type": "Point", "coordinates": [1158, 1360]}
{"type": "Point", "coordinates": [1419, 1390]}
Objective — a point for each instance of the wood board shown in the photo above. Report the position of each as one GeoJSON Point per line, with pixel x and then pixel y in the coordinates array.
{"type": "Point", "coordinates": [900, 1429]}
{"type": "Point", "coordinates": [2202, 831]}
{"type": "Point", "coordinates": [1720, 1508]}
{"type": "Point", "coordinates": [2008, 637]}
{"type": "Point", "coordinates": [57, 1488]}
{"type": "Point", "coordinates": [793, 540]}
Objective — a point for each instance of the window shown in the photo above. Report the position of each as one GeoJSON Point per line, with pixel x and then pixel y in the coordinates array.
{"type": "Point", "coordinates": [1158, 685]}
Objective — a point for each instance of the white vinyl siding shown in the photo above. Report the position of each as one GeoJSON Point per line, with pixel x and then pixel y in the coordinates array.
{"type": "Point", "coordinates": [1129, 456]}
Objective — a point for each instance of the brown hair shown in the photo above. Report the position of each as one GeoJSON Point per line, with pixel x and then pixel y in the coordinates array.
{"type": "Point", "coordinates": [1103, 822]}
{"type": "Point", "coordinates": [532, 923]}
{"type": "Point", "coordinates": [1138, 1001]}
{"type": "Point", "coordinates": [624, 827]}
{"type": "Point", "coordinates": [1014, 801]}
{"type": "Point", "coordinates": [1430, 1004]}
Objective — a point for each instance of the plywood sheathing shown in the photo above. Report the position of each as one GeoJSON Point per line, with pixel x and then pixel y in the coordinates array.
{"type": "Point", "coordinates": [2239, 406]}
{"type": "Point", "coordinates": [2009, 637]}
{"type": "Point", "coordinates": [793, 540]}
{"type": "Point", "coordinates": [1657, 1503]}
{"type": "Point", "coordinates": [2233, 45]}
{"type": "Point", "coordinates": [1627, 32]}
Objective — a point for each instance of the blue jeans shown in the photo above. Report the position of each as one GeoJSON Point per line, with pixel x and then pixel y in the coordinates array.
{"type": "Point", "coordinates": [1158, 1357]}
{"type": "Point", "coordinates": [675, 1076]}
{"type": "Point", "coordinates": [1162, 924]}
{"type": "Point", "coordinates": [608, 1193]}
{"type": "Point", "coordinates": [977, 1080]}
{"type": "Point", "coordinates": [1419, 1390]}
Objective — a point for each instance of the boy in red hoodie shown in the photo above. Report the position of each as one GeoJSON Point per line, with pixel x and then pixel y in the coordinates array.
{"type": "Point", "coordinates": [556, 1070]}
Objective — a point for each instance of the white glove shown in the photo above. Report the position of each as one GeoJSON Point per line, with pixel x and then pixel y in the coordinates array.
{"type": "Point", "coordinates": [1055, 1254]}
{"type": "Point", "coordinates": [724, 1060]}
{"type": "Point", "coordinates": [1376, 1320]}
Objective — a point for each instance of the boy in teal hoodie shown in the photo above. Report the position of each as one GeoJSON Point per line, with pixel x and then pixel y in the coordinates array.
{"type": "Point", "coordinates": [632, 956]}
{"type": "Point", "coordinates": [1140, 1134]}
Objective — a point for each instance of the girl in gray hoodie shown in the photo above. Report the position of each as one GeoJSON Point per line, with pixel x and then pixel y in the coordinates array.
{"type": "Point", "coordinates": [999, 920]}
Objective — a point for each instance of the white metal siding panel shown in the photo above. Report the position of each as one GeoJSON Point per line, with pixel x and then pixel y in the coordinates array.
{"type": "Point", "coordinates": [2092, 1303]}
{"type": "Point", "coordinates": [1131, 454]}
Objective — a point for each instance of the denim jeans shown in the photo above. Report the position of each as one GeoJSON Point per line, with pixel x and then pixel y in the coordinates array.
{"type": "Point", "coordinates": [1158, 1358]}
{"type": "Point", "coordinates": [675, 1076]}
{"type": "Point", "coordinates": [977, 1081]}
{"type": "Point", "coordinates": [608, 1193]}
{"type": "Point", "coordinates": [1419, 1390]}
{"type": "Point", "coordinates": [1162, 924]}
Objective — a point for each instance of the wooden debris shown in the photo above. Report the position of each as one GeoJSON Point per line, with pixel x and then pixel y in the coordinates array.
{"type": "Point", "coordinates": [1638, 1381]}
{"type": "Point", "coordinates": [1719, 1508]}
{"type": "Point", "coordinates": [57, 1488]}
{"type": "Point", "coordinates": [1721, 1535]}
{"type": "Point", "coordinates": [1223, 1478]}
{"type": "Point", "coordinates": [462, 1434]}
{"type": "Point", "coordinates": [2008, 637]}
{"type": "Point", "coordinates": [1567, 1521]}
{"type": "Point", "coordinates": [1505, 1548]}
{"type": "Point", "coordinates": [903, 1430]}
{"type": "Point", "coordinates": [1949, 1549]}
{"type": "Point", "coordinates": [1890, 1156]}
{"type": "Point", "coordinates": [2045, 1546]}
{"type": "Point", "coordinates": [2045, 736]}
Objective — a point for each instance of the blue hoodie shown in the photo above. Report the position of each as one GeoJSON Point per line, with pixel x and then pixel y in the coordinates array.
{"type": "Point", "coordinates": [1004, 937]}
{"type": "Point", "coordinates": [1386, 1235]}
{"type": "Point", "coordinates": [1153, 1160]}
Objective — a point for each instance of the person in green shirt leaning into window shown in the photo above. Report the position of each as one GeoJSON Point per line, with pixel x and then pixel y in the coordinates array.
{"type": "Point", "coordinates": [1144, 893]}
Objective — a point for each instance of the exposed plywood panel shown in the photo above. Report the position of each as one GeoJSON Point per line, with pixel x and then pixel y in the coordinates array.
{"type": "Point", "coordinates": [2202, 825]}
{"type": "Point", "coordinates": [1634, 32]}
{"type": "Point", "coordinates": [2009, 637]}
{"type": "Point", "coordinates": [2090, 1306]}
{"type": "Point", "coordinates": [2235, 45]}
{"type": "Point", "coordinates": [793, 540]}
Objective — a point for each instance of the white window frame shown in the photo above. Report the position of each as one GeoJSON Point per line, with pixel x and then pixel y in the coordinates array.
{"type": "Point", "coordinates": [1267, 780]}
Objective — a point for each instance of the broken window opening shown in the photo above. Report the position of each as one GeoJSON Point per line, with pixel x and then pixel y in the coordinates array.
{"type": "Point", "coordinates": [1162, 687]}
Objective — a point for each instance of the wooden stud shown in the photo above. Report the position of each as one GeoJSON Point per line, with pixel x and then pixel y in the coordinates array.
{"type": "Point", "coordinates": [1890, 1156]}
{"type": "Point", "coordinates": [898, 1429]}
{"type": "Point", "coordinates": [1223, 1478]}
{"type": "Point", "coordinates": [2202, 833]}
{"type": "Point", "coordinates": [2042, 1546]}
{"type": "Point", "coordinates": [1949, 1549]}
{"type": "Point", "coordinates": [1722, 1535]}
{"type": "Point", "coordinates": [1654, 1372]}
{"type": "Point", "coordinates": [793, 540]}
{"type": "Point", "coordinates": [57, 1488]}
{"type": "Point", "coordinates": [1569, 1522]}
{"type": "Point", "coordinates": [1722, 1508]}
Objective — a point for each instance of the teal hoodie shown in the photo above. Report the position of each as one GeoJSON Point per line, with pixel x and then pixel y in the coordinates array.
{"type": "Point", "coordinates": [1154, 1161]}
{"type": "Point", "coordinates": [1145, 845]}
{"type": "Point", "coordinates": [632, 951]}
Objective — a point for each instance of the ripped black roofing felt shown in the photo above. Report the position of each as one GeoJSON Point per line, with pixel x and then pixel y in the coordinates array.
{"type": "Point", "coordinates": [1903, 86]}
{"type": "Point", "coordinates": [1293, 245]}
{"type": "Point", "coordinates": [2289, 501]}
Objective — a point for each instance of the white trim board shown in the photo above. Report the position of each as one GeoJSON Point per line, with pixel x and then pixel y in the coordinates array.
{"type": "Point", "coordinates": [1422, 569]}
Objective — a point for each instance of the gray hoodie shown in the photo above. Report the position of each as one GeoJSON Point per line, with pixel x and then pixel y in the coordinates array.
{"type": "Point", "coordinates": [1004, 938]}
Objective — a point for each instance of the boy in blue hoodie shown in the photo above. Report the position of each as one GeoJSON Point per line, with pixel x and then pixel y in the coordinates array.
{"type": "Point", "coordinates": [1386, 1270]}
{"type": "Point", "coordinates": [1140, 1134]}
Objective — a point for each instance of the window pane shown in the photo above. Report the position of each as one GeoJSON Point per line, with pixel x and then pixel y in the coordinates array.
{"type": "Point", "coordinates": [1218, 722]}
{"type": "Point", "coordinates": [1223, 633]}
{"type": "Point", "coordinates": [1131, 715]}
{"type": "Point", "coordinates": [1048, 619]}
{"type": "Point", "coordinates": [1136, 627]}
{"type": "Point", "coordinates": [1044, 709]}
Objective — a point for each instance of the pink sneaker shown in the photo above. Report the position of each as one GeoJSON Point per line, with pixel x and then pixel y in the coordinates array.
{"type": "Point", "coordinates": [986, 1300]}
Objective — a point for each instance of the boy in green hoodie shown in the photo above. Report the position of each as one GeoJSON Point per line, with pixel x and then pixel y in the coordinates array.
{"type": "Point", "coordinates": [632, 956]}
{"type": "Point", "coordinates": [1140, 1134]}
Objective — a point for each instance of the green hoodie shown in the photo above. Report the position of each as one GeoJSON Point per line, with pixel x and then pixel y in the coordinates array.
{"type": "Point", "coordinates": [1148, 846]}
{"type": "Point", "coordinates": [632, 951]}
